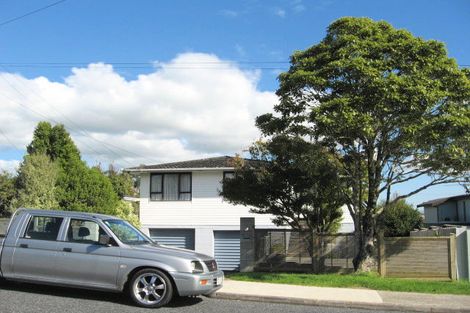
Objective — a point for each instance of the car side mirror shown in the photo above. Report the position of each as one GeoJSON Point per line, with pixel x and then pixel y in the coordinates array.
{"type": "Point", "coordinates": [105, 240]}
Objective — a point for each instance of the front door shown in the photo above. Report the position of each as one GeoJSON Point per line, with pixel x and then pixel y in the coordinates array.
{"type": "Point", "coordinates": [36, 249]}
{"type": "Point", "coordinates": [82, 260]}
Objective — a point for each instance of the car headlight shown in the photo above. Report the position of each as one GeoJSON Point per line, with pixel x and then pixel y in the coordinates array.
{"type": "Point", "coordinates": [196, 267]}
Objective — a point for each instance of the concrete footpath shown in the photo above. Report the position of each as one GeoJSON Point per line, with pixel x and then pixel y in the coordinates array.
{"type": "Point", "coordinates": [343, 297]}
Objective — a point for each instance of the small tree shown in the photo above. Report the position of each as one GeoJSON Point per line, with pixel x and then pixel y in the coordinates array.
{"type": "Point", "coordinates": [7, 193]}
{"type": "Point", "coordinates": [36, 183]}
{"type": "Point", "coordinates": [398, 219]}
{"type": "Point", "coordinates": [293, 180]}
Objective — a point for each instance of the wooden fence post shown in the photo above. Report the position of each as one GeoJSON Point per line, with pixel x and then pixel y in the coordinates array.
{"type": "Point", "coordinates": [452, 257]}
{"type": "Point", "coordinates": [382, 261]}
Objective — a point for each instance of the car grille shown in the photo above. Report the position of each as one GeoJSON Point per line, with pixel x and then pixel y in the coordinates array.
{"type": "Point", "coordinates": [211, 265]}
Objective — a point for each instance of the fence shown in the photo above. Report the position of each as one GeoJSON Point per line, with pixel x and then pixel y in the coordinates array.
{"type": "Point", "coordinates": [411, 257]}
{"type": "Point", "coordinates": [420, 257]}
{"type": "Point", "coordinates": [3, 225]}
{"type": "Point", "coordinates": [283, 250]}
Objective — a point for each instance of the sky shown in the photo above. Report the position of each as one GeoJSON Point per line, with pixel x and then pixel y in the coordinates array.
{"type": "Point", "coordinates": [145, 81]}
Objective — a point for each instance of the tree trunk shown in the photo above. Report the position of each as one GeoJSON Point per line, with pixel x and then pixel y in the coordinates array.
{"type": "Point", "coordinates": [364, 261]}
{"type": "Point", "coordinates": [314, 247]}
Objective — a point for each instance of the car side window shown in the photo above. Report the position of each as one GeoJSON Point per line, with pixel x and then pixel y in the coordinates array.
{"type": "Point", "coordinates": [43, 227]}
{"type": "Point", "coordinates": [84, 231]}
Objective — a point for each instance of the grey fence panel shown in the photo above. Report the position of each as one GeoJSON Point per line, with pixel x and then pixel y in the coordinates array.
{"type": "Point", "coordinates": [283, 250]}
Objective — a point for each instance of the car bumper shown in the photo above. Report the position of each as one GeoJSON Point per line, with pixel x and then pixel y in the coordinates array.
{"type": "Point", "coordinates": [198, 284]}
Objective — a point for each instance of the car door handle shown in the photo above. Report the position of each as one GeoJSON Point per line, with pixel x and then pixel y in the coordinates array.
{"type": "Point", "coordinates": [67, 249]}
{"type": "Point", "coordinates": [23, 245]}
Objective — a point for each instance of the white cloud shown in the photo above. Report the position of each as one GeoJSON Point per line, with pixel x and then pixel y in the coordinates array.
{"type": "Point", "coordinates": [280, 12]}
{"type": "Point", "coordinates": [297, 6]}
{"type": "Point", "coordinates": [228, 13]}
{"type": "Point", "coordinates": [9, 165]}
{"type": "Point", "coordinates": [196, 105]}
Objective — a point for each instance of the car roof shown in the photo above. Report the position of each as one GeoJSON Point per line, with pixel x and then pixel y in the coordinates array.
{"type": "Point", "coordinates": [67, 213]}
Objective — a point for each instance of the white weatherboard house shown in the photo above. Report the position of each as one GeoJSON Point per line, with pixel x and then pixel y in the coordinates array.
{"type": "Point", "coordinates": [180, 206]}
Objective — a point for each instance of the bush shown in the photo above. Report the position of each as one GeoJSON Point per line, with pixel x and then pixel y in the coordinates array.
{"type": "Point", "coordinates": [399, 218]}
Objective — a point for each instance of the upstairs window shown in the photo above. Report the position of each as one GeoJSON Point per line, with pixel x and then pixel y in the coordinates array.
{"type": "Point", "coordinates": [170, 187]}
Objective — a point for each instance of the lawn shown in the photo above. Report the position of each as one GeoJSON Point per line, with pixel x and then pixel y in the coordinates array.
{"type": "Point", "coordinates": [369, 281]}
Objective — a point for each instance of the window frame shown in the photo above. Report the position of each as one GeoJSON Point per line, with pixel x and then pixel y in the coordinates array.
{"type": "Point", "coordinates": [162, 192]}
{"type": "Point", "coordinates": [69, 222]}
{"type": "Point", "coordinates": [31, 218]}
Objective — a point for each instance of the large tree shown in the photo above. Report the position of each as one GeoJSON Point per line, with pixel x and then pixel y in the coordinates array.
{"type": "Point", "coordinates": [293, 180]}
{"type": "Point", "coordinates": [393, 107]}
{"type": "Point", "coordinates": [77, 187]}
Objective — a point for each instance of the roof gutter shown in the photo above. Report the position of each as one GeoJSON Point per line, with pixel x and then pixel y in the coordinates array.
{"type": "Point", "coordinates": [192, 169]}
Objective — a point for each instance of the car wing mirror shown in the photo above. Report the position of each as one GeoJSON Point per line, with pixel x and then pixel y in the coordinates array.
{"type": "Point", "coordinates": [105, 240]}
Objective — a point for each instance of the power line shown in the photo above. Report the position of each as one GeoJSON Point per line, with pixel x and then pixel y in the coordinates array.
{"type": "Point", "coordinates": [219, 65]}
{"type": "Point", "coordinates": [8, 140]}
{"type": "Point", "coordinates": [42, 115]}
{"type": "Point", "coordinates": [31, 13]}
{"type": "Point", "coordinates": [80, 130]}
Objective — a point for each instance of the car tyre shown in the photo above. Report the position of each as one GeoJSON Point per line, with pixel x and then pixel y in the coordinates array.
{"type": "Point", "coordinates": [151, 288]}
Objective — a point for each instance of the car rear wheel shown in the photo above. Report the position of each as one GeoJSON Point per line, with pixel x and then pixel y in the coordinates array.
{"type": "Point", "coordinates": [151, 288]}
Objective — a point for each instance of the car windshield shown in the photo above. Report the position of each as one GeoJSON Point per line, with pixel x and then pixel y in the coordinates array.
{"type": "Point", "coordinates": [127, 233]}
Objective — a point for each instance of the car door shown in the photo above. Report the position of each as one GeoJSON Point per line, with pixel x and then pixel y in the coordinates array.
{"type": "Point", "coordinates": [35, 254]}
{"type": "Point", "coordinates": [82, 260]}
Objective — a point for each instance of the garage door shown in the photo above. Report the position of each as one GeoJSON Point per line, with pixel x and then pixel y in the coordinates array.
{"type": "Point", "coordinates": [180, 238]}
{"type": "Point", "coordinates": [227, 250]}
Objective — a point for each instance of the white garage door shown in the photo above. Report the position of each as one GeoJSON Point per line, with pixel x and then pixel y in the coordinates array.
{"type": "Point", "coordinates": [180, 238]}
{"type": "Point", "coordinates": [227, 250]}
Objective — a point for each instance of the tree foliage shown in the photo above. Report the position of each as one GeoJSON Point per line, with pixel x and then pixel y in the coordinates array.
{"type": "Point", "coordinates": [399, 218]}
{"type": "Point", "coordinates": [126, 211]}
{"type": "Point", "coordinates": [36, 183]}
{"type": "Point", "coordinates": [391, 106]}
{"type": "Point", "coordinates": [293, 180]}
{"type": "Point", "coordinates": [122, 182]}
{"type": "Point", "coordinates": [7, 193]}
{"type": "Point", "coordinates": [85, 189]}
{"type": "Point", "coordinates": [76, 186]}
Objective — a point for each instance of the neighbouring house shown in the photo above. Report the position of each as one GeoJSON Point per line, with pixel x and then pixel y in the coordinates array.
{"type": "Point", "coordinates": [449, 210]}
{"type": "Point", "coordinates": [180, 206]}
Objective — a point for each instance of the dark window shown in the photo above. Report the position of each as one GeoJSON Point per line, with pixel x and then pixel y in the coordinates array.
{"type": "Point", "coordinates": [170, 187]}
{"type": "Point", "coordinates": [43, 228]}
{"type": "Point", "coordinates": [84, 231]}
{"type": "Point", "coordinates": [229, 175]}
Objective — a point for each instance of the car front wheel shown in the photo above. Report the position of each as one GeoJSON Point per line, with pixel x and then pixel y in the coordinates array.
{"type": "Point", "coordinates": [151, 288]}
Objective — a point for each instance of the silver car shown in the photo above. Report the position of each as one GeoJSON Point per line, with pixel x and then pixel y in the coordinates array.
{"type": "Point", "coordinates": [103, 252]}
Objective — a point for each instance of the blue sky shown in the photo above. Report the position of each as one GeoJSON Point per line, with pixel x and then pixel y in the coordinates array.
{"type": "Point", "coordinates": [257, 36]}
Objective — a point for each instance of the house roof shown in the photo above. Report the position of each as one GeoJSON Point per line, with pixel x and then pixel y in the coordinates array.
{"type": "Point", "coordinates": [222, 162]}
{"type": "Point", "coordinates": [439, 201]}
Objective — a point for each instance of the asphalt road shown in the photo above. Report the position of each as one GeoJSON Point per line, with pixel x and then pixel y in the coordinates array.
{"type": "Point", "coordinates": [25, 298]}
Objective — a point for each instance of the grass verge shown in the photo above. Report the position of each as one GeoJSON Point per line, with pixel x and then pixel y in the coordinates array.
{"type": "Point", "coordinates": [363, 280]}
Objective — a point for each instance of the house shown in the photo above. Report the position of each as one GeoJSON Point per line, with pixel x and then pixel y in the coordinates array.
{"type": "Point", "coordinates": [449, 210]}
{"type": "Point", "coordinates": [180, 206]}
